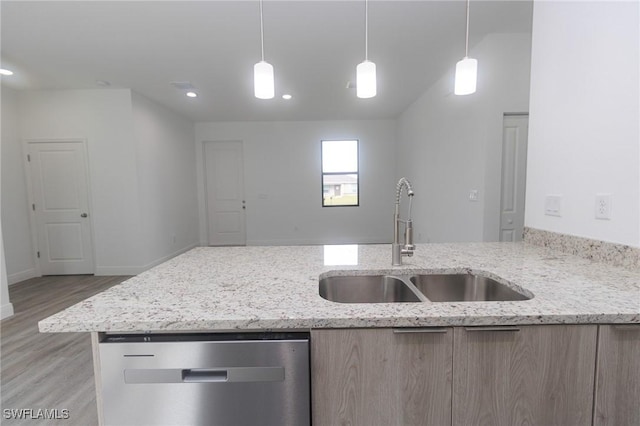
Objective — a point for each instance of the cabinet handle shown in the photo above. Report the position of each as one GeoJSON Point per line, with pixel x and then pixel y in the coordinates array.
{"type": "Point", "coordinates": [420, 330]}
{"type": "Point", "coordinates": [495, 328]}
{"type": "Point", "coordinates": [627, 327]}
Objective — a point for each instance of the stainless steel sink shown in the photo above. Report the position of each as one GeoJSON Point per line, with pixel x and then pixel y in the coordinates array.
{"type": "Point", "coordinates": [460, 287]}
{"type": "Point", "coordinates": [366, 289]}
{"type": "Point", "coordinates": [464, 288]}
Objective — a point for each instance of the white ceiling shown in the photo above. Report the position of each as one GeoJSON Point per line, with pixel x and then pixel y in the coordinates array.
{"type": "Point", "coordinates": [314, 47]}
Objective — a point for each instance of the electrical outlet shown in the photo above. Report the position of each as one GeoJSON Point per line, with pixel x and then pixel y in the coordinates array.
{"type": "Point", "coordinates": [473, 195]}
{"type": "Point", "coordinates": [553, 205]}
{"type": "Point", "coordinates": [603, 206]}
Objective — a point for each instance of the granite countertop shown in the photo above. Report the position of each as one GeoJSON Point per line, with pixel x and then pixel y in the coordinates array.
{"type": "Point", "coordinates": [250, 288]}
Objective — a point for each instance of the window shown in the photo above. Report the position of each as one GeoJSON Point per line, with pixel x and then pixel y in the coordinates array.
{"type": "Point", "coordinates": [340, 173]}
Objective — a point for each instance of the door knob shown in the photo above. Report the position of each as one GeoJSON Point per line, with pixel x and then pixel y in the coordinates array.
{"type": "Point", "coordinates": [84, 215]}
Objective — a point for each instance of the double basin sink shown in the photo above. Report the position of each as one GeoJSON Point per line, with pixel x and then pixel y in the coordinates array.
{"type": "Point", "coordinates": [457, 287]}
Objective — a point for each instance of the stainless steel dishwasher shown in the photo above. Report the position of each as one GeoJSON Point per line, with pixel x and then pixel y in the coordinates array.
{"type": "Point", "coordinates": [206, 379]}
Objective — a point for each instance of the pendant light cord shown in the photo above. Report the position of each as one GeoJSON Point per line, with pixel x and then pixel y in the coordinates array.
{"type": "Point", "coordinates": [466, 47]}
{"type": "Point", "coordinates": [261, 32]}
{"type": "Point", "coordinates": [366, 30]}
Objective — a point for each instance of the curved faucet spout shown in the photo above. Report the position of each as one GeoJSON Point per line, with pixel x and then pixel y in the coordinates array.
{"type": "Point", "coordinates": [403, 183]}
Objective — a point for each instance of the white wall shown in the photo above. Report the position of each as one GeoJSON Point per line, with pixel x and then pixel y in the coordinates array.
{"type": "Point", "coordinates": [142, 176]}
{"type": "Point", "coordinates": [449, 145]}
{"type": "Point", "coordinates": [15, 213]}
{"type": "Point", "coordinates": [283, 181]}
{"type": "Point", "coordinates": [104, 119]}
{"type": "Point", "coordinates": [584, 133]}
{"type": "Point", "coordinates": [6, 129]}
{"type": "Point", "coordinates": [167, 180]}
{"type": "Point", "coordinates": [6, 307]}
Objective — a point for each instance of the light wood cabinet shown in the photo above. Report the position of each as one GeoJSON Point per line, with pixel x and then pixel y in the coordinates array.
{"type": "Point", "coordinates": [617, 396]}
{"type": "Point", "coordinates": [535, 375]}
{"type": "Point", "coordinates": [462, 376]}
{"type": "Point", "coordinates": [377, 377]}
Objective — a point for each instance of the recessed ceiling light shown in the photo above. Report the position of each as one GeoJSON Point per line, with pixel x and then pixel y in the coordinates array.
{"type": "Point", "coordinates": [5, 72]}
{"type": "Point", "coordinates": [103, 83]}
{"type": "Point", "coordinates": [192, 94]}
{"type": "Point", "coordinates": [287, 96]}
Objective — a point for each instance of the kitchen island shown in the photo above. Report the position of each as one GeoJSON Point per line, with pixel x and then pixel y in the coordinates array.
{"type": "Point", "coordinates": [256, 288]}
{"type": "Point", "coordinates": [568, 355]}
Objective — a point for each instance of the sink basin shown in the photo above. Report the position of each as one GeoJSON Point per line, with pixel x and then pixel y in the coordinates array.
{"type": "Point", "coordinates": [366, 289]}
{"type": "Point", "coordinates": [464, 288]}
{"type": "Point", "coordinates": [461, 287]}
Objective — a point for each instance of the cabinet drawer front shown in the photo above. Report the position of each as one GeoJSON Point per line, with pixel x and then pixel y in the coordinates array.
{"type": "Point", "coordinates": [524, 375]}
{"type": "Point", "coordinates": [399, 377]}
{"type": "Point", "coordinates": [618, 376]}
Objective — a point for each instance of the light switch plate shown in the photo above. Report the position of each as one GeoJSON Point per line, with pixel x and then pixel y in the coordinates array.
{"type": "Point", "coordinates": [553, 205]}
{"type": "Point", "coordinates": [473, 195]}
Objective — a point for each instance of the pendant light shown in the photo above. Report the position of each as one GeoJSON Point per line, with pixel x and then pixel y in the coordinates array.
{"type": "Point", "coordinates": [466, 69]}
{"type": "Point", "coordinates": [366, 70]}
{"type": "Point", "coordinates": [263, 81]}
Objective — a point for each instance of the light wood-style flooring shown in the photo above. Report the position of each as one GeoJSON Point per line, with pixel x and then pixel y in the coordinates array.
{"type": "Point", "coordinates": [48, 370]}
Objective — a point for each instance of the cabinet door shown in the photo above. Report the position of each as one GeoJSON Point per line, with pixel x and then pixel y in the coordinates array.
{"type": "Point", "coordinates": [377, 377]}
{"type": "Point", "coordinates": [618, 376]}
{"type": "Point", "coordinates": [529, 375]}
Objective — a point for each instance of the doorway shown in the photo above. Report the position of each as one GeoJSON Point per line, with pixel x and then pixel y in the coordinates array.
{"type": "Point", "coordinates": [58, 176]}
{"type": "Point", "coordinates": [224, 188]}
{"type": "Point", "coordinates": [514, 171]}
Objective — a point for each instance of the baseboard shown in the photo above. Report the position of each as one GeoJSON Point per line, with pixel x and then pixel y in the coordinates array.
{"type": "Point", "coordinates": [170, 256]}
{"type": "Point", "coordinates": [6, 310]}
{"type": "Point", "coordinates": [315, 241]}
{"type": "Point", "coordinates": [307, 242]}
{"type": "Point", "coordinates": [21, 276]}
{"type": "Point", "coordinates": [135, 270]}
{"type": "Point", "coordinates": [118, 270]}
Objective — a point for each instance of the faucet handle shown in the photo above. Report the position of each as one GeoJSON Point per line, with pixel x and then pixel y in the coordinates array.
{"type": "Point", "coordinates": [408, 235]}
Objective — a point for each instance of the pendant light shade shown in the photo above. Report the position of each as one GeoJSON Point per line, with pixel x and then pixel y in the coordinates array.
{"type": "Point", "coordinates": [366, 86]}
{"type": "Point", "coordinates": [263, 79]}
{"type": "Point", "coordinates": [466, 76]}
{"type": "Point", "coordinates": [366, 80]}
{"type": "Point", "coordinates": [466, 69]}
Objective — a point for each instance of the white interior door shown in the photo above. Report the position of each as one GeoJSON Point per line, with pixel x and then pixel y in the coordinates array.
{"type": "Point", "coordinates": [225, 193]}
{"type": "Point", "coordinates": [59, 180]}
{"type": "Point", "coordinates": [514, 168]}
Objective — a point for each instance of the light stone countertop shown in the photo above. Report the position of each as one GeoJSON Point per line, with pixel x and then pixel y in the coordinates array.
{"type": "Point", "coordinates": [256, 288]}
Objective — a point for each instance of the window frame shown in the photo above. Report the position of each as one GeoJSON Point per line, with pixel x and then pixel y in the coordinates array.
{"type": "Point", "coordinates": [322, 173]}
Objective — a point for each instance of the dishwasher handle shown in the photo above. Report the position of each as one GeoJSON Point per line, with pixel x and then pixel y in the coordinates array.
{"type": "Point", "coordinates": [204, 375]}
